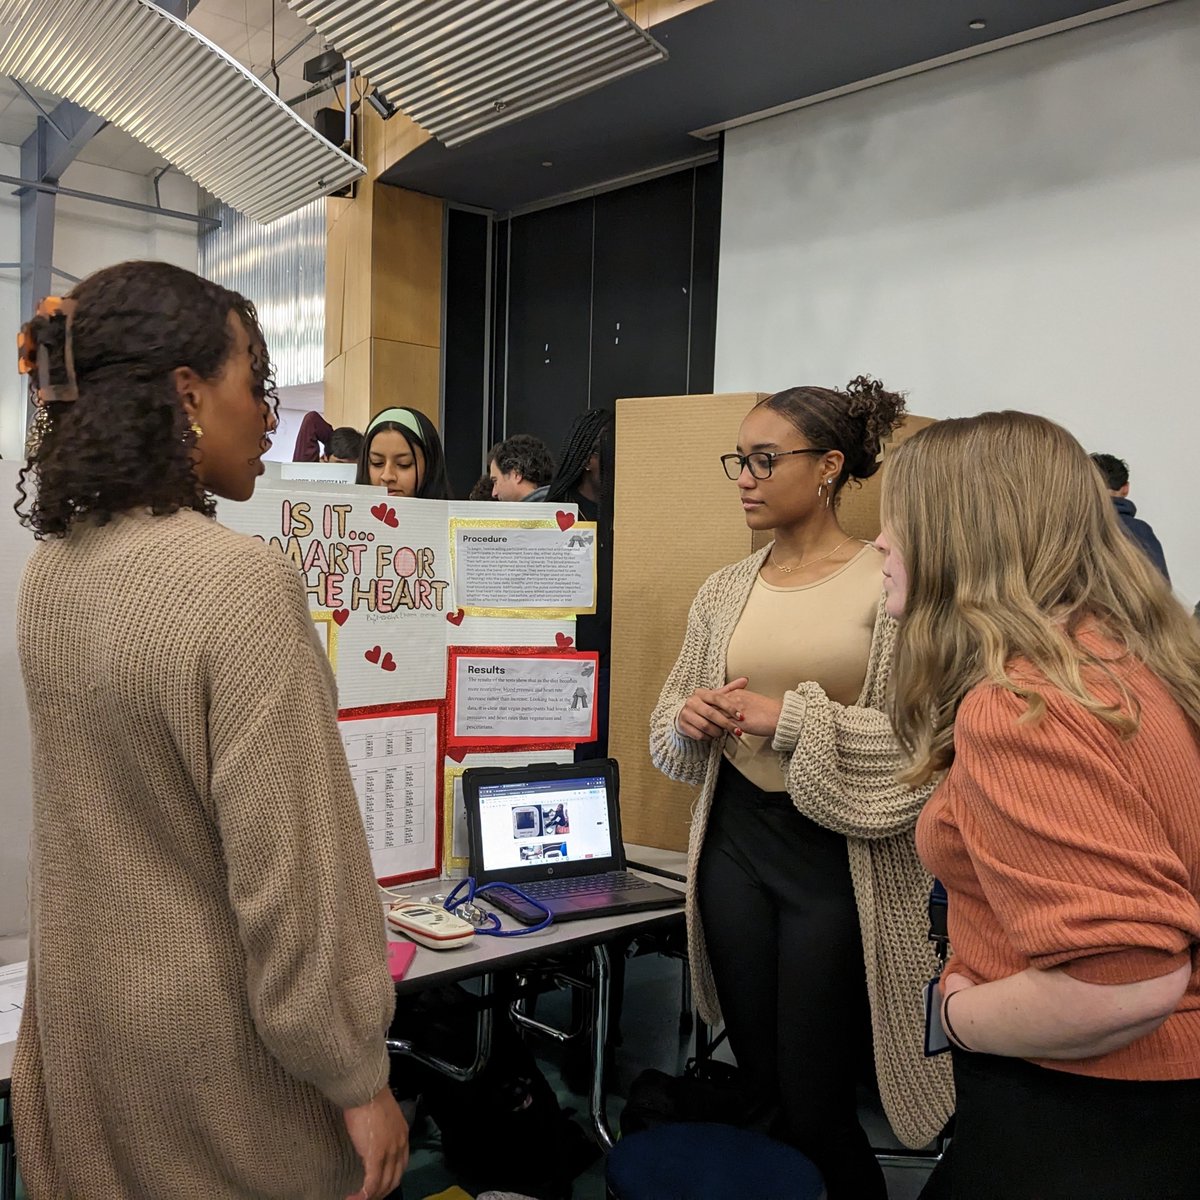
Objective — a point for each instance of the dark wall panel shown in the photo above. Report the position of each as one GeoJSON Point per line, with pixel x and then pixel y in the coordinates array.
{"type": "Point", "coordinates": [465, 390]}
{"type": "Point", "coordinates": [549, 310]}
{"type": "Point", "coordinates": [706, 249]}
{"type": "Point", "coordinates": [641, 292]}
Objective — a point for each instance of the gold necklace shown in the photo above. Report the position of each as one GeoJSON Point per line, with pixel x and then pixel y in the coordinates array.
{"type": "Point", "coordinates": [804, 562]}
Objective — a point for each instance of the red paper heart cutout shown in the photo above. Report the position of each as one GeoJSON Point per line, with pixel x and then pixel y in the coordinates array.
{"type": "Point", "coordinates": [565, 519]}
{"type": "Point", "coordinates": [372, 655]}
{"type": "Point", "coordinates": [390, 519]}
{"type": "Point", "coordinates": [458, 753]}
{"type": "Point", "coordinates": [456, 617]}
{"type": "Point", "coordinates": [341, 615]}
{"type": "Point", "coordinates": [379, 511]}
{"type": "Point", "coordinates": [389, 663]}
{"type": "Point", "coordinates": [562, 640]}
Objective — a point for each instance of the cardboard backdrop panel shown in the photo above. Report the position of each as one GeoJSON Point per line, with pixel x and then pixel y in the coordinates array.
{"type": "Point", "coordinates": [677, 520]}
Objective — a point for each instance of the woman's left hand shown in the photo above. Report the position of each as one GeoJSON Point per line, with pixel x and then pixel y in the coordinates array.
{"type": "Point", "coordinates": [753, 713]}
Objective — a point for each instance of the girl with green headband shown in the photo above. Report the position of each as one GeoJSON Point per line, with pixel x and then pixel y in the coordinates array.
{"type": "Point", "coordinates": [402, 452]}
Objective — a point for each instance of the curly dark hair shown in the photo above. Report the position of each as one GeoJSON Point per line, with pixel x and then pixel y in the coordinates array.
{"type": "Point", "coordinates": [1115, 470]}
{"type": "Point", "coordinates": [126, 442]}
{"type": "Point", "coordinates": [856, 420]}
{"type": "Point", "coordinates": [524, 453]}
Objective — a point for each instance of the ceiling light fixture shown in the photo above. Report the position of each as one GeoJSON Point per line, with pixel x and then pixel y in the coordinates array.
{"type": "Point", "coordinates": [381, 104]}
{"type": "Point", "coordinates": [978, 23]}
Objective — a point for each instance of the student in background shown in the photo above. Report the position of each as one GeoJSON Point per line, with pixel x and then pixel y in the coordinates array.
{"type": "Point", "coordinates": [520, 468]}
{"type": "Point", "coordinates": [1116, 477]}
{"type": "Point", "coordinates": [806, 912]}
{"type": "Point", "coordinates": [208, 993]}
{"type": "Point", "coordinates": [1047, 677]}
{"type": "Point", "coordinates": [344, 446]}
{"type": "Point", "coordinates": [482, 489]}
{"type": "Point", "coordinates": [402, 452]}
{"type": "Point", "coordinates": [585, 478]}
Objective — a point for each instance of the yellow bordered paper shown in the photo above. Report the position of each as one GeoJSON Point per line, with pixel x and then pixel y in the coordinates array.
{"type": "Point", "coordinates": [576, 536]}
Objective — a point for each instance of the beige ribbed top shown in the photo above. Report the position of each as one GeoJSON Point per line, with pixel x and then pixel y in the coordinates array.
{"type": "Point", "coordinates": [207, 976]}
{"type": "Point", "coordinates": [840, 770]}
{"type": "Point", "coordinates": [820, 632]}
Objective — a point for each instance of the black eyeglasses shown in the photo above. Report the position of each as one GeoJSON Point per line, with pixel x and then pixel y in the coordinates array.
{"type": "Point", "coordinates": [761, 462]}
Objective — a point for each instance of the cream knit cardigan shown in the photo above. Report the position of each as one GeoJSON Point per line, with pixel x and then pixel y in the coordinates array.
{"type": "Point", "coordinates": [208, 985]}
{"type": "Point", "coordinates": [841, 763]}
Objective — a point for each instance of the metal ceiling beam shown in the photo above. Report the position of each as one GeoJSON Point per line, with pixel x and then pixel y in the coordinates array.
{"type": "Point", "coordinates": [26, 185]}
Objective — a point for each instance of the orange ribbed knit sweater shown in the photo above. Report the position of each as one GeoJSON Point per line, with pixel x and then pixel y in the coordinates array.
{"type": "Point", "coordinates": [1062, 845]}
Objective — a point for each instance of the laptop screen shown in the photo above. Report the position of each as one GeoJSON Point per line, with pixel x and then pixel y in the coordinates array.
{"type": "Point", "coordinates": [537, 823]}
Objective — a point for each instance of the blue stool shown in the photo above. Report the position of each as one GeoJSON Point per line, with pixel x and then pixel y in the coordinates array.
{"type": "Point", "coordinates": [694, 1161]}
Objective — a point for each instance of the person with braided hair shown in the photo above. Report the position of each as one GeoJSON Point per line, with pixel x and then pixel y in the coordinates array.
{"type": "Point", "coordinates": [806, 899]}
{"type": "Point", "coordinates": [585, 478]}
{"type": "Point", "coordinates": [208, 995]}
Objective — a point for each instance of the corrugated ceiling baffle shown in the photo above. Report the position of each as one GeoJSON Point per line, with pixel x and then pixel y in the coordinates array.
{"type": "Point", "coordinates": [171, 88]}
{"type": "Point", "coordinates": [460, 68]}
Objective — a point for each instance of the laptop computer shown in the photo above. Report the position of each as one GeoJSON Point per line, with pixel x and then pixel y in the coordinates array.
{"type": "Point", "coordinates": [554, 830]}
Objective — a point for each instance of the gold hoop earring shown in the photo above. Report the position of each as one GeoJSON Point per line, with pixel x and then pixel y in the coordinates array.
{"type": "Point", "coordinates": [825, 491]}
{"type": "Point", "coordinates": [197, 432]}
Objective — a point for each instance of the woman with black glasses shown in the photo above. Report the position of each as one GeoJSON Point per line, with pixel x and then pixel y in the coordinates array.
{"type": "Point", "coordinates": [806, 898]}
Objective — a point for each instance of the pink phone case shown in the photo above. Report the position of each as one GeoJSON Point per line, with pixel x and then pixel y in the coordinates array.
{"type": "Point", "coordinates": [400, 956]}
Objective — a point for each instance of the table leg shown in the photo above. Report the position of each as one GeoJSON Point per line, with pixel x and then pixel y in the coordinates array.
{"type": "Point", "coordinates": [483, 1042]}
{"type": "Point", "coordinates": [601, 982]}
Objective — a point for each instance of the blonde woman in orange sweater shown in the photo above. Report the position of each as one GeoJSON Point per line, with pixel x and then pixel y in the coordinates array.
{"type": "Point", "coordinates": [1046, 674]}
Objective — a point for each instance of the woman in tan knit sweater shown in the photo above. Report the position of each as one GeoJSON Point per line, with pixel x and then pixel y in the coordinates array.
{"type": "Point", "coordinates": [208, 995]}
{"type": "Point", "coordinates": [806, 901]}
{"type": "Point", "coordinates": [1048, 676]}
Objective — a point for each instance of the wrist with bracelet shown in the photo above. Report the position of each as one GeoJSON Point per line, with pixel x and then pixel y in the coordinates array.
{"type": "Point", "coordinates": [949, 1029]}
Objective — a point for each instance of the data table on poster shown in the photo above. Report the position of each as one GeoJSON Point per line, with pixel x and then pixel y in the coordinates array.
{"type": "Point", "coordinates": [393, 763]}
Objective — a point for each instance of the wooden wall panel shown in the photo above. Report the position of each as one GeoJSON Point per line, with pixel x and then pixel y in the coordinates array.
{"type": "Point", "coordinates": [404, 374]}
{"type": "Point", "coordinates": [406, 266]}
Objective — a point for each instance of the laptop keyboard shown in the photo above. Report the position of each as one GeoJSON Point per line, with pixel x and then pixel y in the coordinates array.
{"type": "Point", "coordinates": [610, 882]}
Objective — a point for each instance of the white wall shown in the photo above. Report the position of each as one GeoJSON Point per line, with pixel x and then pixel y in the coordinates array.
{"type": "Point", "coordinates": [87, 236]}
{"type": "Point", "coordinates": [1021, 230]}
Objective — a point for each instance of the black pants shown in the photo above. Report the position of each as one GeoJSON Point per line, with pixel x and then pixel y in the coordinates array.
{"type": "Point", "coordinates": [1027, 1133]}
{"type": "Point", "coordinates": [783, 936]}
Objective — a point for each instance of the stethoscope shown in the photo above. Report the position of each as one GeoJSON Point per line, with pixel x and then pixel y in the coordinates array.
{"type": "Point", "coordinates": [484, 922]}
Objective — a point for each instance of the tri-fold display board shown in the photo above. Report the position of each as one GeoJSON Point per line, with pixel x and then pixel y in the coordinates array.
{"type": "Point", "coordinates": [450, 629]}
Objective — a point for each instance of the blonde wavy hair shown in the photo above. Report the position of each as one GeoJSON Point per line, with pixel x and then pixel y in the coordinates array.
{"type": "Point", "coordinates": [1011, 541]}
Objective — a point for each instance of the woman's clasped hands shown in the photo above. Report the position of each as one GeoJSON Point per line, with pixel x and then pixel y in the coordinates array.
{"type": "Point", "coordinates": [712, 712]}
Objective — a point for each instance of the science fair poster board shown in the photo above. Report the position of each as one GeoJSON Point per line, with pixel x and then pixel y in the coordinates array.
{"type": "Point", "coordinates": [380, 582]}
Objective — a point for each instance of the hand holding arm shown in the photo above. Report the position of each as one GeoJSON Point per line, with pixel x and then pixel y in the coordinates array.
{"type": "Point", "coordinates": [1050, 1014]}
